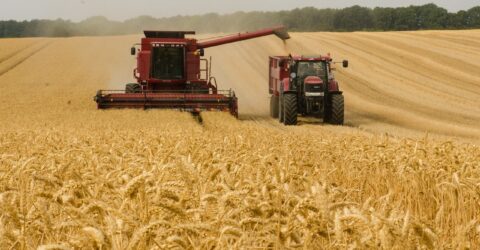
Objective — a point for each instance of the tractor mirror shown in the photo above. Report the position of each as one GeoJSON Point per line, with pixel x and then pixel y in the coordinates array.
{"type": "Point", "coordinates": [345, 63]}
{"type": "Point", "coordinates": [133, 51]}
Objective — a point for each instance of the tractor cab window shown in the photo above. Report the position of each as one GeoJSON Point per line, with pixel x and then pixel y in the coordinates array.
{"type": "Point", "coordinates": [305, 69]}
{"type": "Point", "coordinates": [167, 62]}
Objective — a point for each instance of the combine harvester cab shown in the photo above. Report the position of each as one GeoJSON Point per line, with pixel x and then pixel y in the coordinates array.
{"type": "Point", "coordinates": [171, 74]}
{"type": "Point", "coordinates": [305, 85]}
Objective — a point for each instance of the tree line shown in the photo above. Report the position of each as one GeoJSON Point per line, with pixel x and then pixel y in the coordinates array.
{"type": "Point", "coordinates": [355, 18]}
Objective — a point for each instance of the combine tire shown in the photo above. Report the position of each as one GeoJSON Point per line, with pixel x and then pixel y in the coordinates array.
{"type": "Point", "coordinates": [336, 115]}
{"type": "Point", "coordinates": [274, 106]}
{"type": "Point", "coordinates": [133, 88]}
{"type": "Point", "coordinates": [290, 109]}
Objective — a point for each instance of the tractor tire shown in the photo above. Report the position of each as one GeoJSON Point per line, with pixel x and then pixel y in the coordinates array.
{"type": "Point", "coordinates": [281, 114]}
{"type": "Point", "coordinates": [274, 106]}
{"type": "Point", "coordinates": [336, 114]}
{"type": "Point", "coordinates": [290, 109]}
{"type": "Point", "coordinates": [133, 88]}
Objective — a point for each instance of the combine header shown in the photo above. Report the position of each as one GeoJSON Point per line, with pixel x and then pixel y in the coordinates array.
{"type": "Point", "coordinates": [171, 74]}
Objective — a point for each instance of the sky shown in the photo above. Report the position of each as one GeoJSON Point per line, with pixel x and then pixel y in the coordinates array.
{"type": "Point", "coordinates": [77, 10]}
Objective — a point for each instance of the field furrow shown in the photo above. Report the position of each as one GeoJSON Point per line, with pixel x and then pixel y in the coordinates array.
{"type": "Point", "coordinates": [10, 47]}
{"type": "Point", "coordinates": [17, 58]}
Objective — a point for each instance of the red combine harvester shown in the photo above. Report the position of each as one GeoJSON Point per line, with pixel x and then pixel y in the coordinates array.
{"type": "Point", "coordinates": [304, 85]}
{"type": "Point", "coordinates": [171, 74]}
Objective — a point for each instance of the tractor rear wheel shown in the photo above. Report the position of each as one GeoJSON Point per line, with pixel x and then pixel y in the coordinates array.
{"type": "Point", "coordinates": [133, 88]}
{"type": "Point", "coordinates": [290, 110]}
{"type": "Point", "coordinates": [280, 109]}
{"type": "Point", "coordinates": [274, 106]}
{"type": "Point", "coordinates": [336, 112]}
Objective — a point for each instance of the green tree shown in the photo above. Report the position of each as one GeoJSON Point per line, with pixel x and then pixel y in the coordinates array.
{"type": "Point", "coordinates": [457, 20]}
{"type": "Point", "coordinates": [473, 17]}
{"type": "Point", "coordinates": [384, 18]}
{"type": "Point", "coordinates": [354, 18]}
{"type": "Point", "coordinates": [405, 19]}
{"type": "Point", "coordinates": [431, 16]}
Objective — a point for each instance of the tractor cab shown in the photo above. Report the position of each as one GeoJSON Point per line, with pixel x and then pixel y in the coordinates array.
{"type": "Point", "coordinates": [309, 76]}
{"type": "Point", "coordinates": [310, 68]}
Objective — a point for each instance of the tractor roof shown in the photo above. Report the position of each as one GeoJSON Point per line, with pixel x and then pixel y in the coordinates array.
{"type": "Point", "coordinates": [312, 58]}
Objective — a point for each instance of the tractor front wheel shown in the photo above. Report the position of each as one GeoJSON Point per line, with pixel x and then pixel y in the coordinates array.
{"type": "Point", "coordinates": [336, 112]}
{"type": "Point", "coordinates": [290, 110]}
{"type": "Point", "coordinates": [274, 106]}
{"type": "Point", "coordinates": [133, 88]}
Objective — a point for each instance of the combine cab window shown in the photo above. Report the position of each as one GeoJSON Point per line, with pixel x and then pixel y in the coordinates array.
{"type": "Point", "coordinates": [311, 69]}
{"type": "Point", "coordinates": [168, 63]}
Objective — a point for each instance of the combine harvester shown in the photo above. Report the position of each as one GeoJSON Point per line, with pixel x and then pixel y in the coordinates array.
{"type": "Point", "coordinates": [305, 85]}
{"type": "Point", "coordinates": [171, 74]}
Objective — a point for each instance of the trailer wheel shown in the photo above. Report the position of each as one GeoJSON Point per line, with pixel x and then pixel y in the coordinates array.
{"type": "Point", "coordinates": [274, 106]}
{"type": "Point", "coordinates": [290, 110]}
{"type": "Point", "coordinates": [133, 88]}
{"type": "Point", "coordinates": [336, 114]}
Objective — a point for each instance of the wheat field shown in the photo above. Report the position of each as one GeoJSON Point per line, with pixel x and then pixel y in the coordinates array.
{"type": "Point", "coordinates": [404, 173]}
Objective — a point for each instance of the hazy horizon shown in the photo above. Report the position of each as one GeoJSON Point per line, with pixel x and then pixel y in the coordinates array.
{"type": "Point", "coordinates": [120, 10]}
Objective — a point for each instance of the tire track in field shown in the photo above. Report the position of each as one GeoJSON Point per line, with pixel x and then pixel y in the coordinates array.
{"type": "Point", "coordinates": [21, 59]}
{"type": "Point", "coordinates": [363, 88]}
{"type": "Point", "coordinates": [405, 115]}
{"type": "Point", "coordinates": [400, 52]}
{"type": "Point", "coordinates": [16, 52]}
{"type": "Point", "coordinates": [464, 44]}
{"type": "Point", "coordinates": [427, 73]}
{"type": "Point", "coordinates": [435, 59]}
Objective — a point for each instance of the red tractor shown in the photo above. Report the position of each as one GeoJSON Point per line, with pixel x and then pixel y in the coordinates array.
{"type": "Point", "coordinates": [171, 74]}
{"type": "Point", "coordinates": [305, 86]}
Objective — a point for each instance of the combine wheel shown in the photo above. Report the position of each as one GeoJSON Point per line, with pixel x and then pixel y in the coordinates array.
{"type": "Point", "coordinates": [290, 109]}
{"type": "Point", "coordinates": [274, 106]}
{"type": "Point", "coordinates": [133, 88]}
{"type": "Point", "coordinates": [336, 115]}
